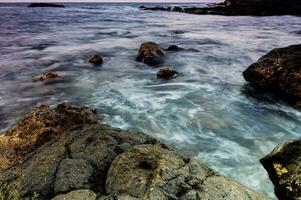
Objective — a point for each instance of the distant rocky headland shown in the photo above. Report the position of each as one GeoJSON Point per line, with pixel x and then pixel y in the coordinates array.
{"type": "Point", "coordinates": [240, 7]}
{"type": "Point", "coordinates": [34, 5]}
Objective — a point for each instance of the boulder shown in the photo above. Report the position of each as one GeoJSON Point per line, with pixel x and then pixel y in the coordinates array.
{"type": "Point", "coordinates": [96, 161]}
{"type": "Point", "coordinates": [150, 53]}
{"type": "Point", "coordinates": [34, 5]}
{"type": "Point", "coordinates": [278, 71]}
{"type": "Point", "coordinates": [167, 73]}
{"type": "Point", "coordinates": [77, 195]}
{"type": "Point", "coordinates": [283, 165]}
{"type": "Point", "coordinates": [49, 76]}
{"type": "Point", "coordinates": [158, 172]}
{"type": "Point", "coordinates": [39, 127]}
{"type": "Point", "coordinates": [96, 59]}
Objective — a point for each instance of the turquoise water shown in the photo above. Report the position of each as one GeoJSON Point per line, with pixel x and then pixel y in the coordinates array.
{"type": "Point", "coordinates": [206, 112]}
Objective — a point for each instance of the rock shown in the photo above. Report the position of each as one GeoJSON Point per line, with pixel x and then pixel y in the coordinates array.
{"type": "Point", "coordinates": [49, 76]}
{"type": "Point", "coordinates": [174, 48]}
{"type": "Point", "coordinates": [34, 5]}
{"type": "Point", "coordinates": [85, 150]}
{"type": "Point", "coordinates": [278, 71]}
{"type": "Point", "coordinates": [77, 195]}
{"type": "Point", "coordinates": [167, 73]}
{"type": "Point", "coordinates": [96, 59]}
{"type": "Point", "coordinates": [177, 32]}
{"type": "Point", "coordinates": [39, 127]}
{"type": "Point", "coordinates": [158, 172]}
{"type": "Point", "coordinates": [150, 53]}
{"type": "Point", "coordinates": [243, 7]}
{"type": "Point", "coordinates": [283, 165]}
{"type": "Point", "coordinates": [73, 174]}
{"type": "Point", "coordinates": [92, 161]}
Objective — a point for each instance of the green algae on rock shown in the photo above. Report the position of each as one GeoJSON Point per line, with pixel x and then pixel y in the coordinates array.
{"type": "Point", "coordinates": [283, 165]}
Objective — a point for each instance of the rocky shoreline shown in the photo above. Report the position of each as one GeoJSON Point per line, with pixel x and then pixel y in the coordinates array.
{"type": "Point", "coordinates": [66, 153]}
{"type": "Point", "coordinates": [240, 8]}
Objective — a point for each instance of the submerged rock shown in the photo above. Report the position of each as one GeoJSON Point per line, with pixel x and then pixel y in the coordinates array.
{"type": "Point", "coordinates": [34, 5]}
{"type": "Point", "coordinates": [278, 71]}
{"type": "Point", "coordinates": [97, 161]}
{"type": "Point", "coordinates": [150, 53]}
{"type": "Point", "coordinates": [49, 76]}
{"type": "Point", "coordinates": [174, 48]}
{"type": "Point", "coordinates": [39, 127]}
{"type": "Point", "coordinates": [96, 59]}
{"type": "Point", "coordinates": [283, 165]}
{"type": "Point", "coordinates": [167, 73]}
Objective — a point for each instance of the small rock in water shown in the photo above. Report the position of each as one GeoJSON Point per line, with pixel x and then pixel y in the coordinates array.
{"type": "Point", "coordinates": [150, 53]}
{"type": "Point", "coordinates": [174, 48]}
{"type": "Point", "coordinates": [177, 32]}
{"type": "Point", "coordinates": [96, 59]}
{"type": "Point", "coordinates": [48, 76]}
{"type": "Point", "coordinates": [167, 73]}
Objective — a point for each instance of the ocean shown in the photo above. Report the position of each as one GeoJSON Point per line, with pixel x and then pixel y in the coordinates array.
{"type": "Point", "coordinates": [208, 111]}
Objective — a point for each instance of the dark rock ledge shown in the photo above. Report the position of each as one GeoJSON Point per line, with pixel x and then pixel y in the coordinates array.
{"type": "Point", "coordinates": [35, 5]}
{"type": "Point", "coordinates": [279, 72]}
{"type": "Point", "coordinates": [241, 7]}
{"type": "Point", "coordinates": [64, 153]}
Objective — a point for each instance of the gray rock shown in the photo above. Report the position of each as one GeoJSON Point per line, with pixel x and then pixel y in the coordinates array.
{"type": "Point", "coordinates": [77, 195]}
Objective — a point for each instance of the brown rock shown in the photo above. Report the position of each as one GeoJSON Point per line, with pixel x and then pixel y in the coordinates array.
{"type": "Point", "coordinates": [96, 59]}
{"type": "Point", "coordinates": [39, 127]}
{"type": "Point", "coordinates": [48, 76]}
{"type": "Point", "coordinates": [167, 73]}
{"type": "Point", "coordinates": [278, 71]}
{"type": "Point", "coordinates": [150, 53]}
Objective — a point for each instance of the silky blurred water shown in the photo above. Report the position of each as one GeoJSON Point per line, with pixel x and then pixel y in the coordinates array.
{"type": "Point", "coordinates": [206, 112]}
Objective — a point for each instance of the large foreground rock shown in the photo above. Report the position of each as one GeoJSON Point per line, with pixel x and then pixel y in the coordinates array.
{"type": "Point", "coordinates": [278, 71]}
{"type": "Point", "coordinates": [150, 53]}
{"type": "Point", "coordinates": [283, 165]}
{"type": "Point", "coordinates": [39, 127]}
{"type": "Point", "coordinates": [241, 7]}
{"type": "Point", "coordinates": [96, 161]}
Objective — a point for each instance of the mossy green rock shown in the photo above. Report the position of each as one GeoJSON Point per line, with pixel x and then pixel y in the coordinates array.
{"type": "Point", "coordinates": [283, 165]}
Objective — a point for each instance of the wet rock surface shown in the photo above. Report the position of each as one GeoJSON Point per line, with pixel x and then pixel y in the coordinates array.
{"type": "Point", "coordinates": [283, 165]}
{"type": "Point", "coordinates": [49, 76]}
{"type": "Point", "coordinates": [96, 59]}
{"type": "Point", "coordinates": [39, 127]}
{"type": "Point", "coordinates": [150, 53]}
{"type": "Point", "coordinates": [34, 5]}
{"type": "Point", "coordinates": [96, 161]}
{"type": "Point", "coordinates": [167, 73]}
{"type": "Point", "coordinates": [241, 7]}
{"type": "Point", "coordinates": [174, 48]}
{"type": "Point", "coordinates": [279, 71]}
